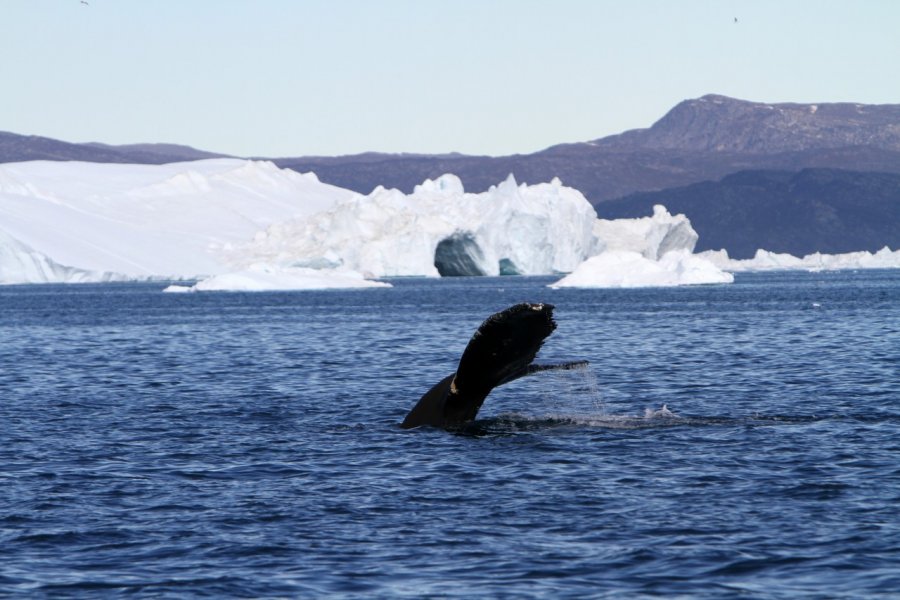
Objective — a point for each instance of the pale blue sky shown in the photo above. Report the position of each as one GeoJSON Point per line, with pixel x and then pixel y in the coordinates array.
{"type": "Point", "coordinates": [299, 77]}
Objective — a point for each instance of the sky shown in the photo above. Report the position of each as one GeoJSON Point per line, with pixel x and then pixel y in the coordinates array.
{"type": "Point", "coordinates": [281, 78]}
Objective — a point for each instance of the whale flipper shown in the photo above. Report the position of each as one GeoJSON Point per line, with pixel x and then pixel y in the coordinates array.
{"type": "Point", "coordinates": [501, 351]}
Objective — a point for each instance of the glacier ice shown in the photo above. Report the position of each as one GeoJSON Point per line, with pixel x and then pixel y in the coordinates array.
{"type": "Point", "coordinates": [122, 221]}
{"type": "Point", "coordinates": [250, 225]}
{"type": "Point", "coordinates": [651, 236]}
{"type": "Point", "coordinates": [22, 264]}
{"type": "Point", "coordinates": [510, 229]}
{"type": "Point", "coordinates": [262, 277]}
{"type": "Point", "coordinates": [439, 229]}
{"type": "Point", "coordinates": [628, 268]}
{"type": "Point", "coordinates": [764, 260]}
{"type": "Point", "coordinates": [225, 218]}
{"type": "Point", "coordinates": [644, 252]}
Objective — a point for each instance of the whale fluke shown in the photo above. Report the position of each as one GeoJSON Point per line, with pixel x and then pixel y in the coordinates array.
{"type": "Point", "coordinates": [502, 350]}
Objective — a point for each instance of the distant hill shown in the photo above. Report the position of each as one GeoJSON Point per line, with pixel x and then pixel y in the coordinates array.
{"type": "Point", "coordinates": [19, 148]}
{"type": "Point", "coordinates": [698, 140]}
{"type": "Point", "coordinates": [599, 173]}
{"type": "Point", "coordinates": [720, 124]}
{"type": "Point", "coordinates": [824, 210]}
{"type": "Point", "coordinates": [166, 151]}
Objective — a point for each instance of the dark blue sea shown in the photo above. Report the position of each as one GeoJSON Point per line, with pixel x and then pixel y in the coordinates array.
{"type": "Point", "coordinates": [726, 441]}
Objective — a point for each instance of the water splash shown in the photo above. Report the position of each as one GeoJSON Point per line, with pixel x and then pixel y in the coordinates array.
{"type": "Point", "coordinates": [661, 413]}
{"type": "Point", "coordinates": [569, 393]}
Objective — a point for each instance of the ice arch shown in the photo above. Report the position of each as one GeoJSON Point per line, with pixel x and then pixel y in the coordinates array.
{"type": "Point", "coordinates": [459, 255]}
{"type": "Point", "coordinates": [508, 267]}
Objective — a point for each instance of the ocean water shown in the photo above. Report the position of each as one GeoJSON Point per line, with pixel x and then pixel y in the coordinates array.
{"type": "Point", "coordinates": [737, 440]}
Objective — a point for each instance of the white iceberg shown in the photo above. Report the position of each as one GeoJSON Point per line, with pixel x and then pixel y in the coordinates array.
{"type": "Point", "coordinates": [644, 252]}
{"type": "Point", "coordinates": [630, 269]}
{"type": "Point", "coordinates": [651, 236]}
{"type": "Point", "coordinates": [266, 278]}
{"type": "Point", "coordinates": [75, 221]}
{"type": "Point", "coordinates": [439, 229]}
{"type": "Point", "coordinates": [764, 260]}
{"type": "Point", "coordinates": [22, 264]}
{"type": "Point", "coordinates": [251, 225]}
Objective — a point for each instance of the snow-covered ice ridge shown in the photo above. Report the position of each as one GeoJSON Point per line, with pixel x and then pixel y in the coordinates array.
{"type": "Point", "coordinates": [772, 261]}
{"type": "Point", "coordinates": [80, 222]}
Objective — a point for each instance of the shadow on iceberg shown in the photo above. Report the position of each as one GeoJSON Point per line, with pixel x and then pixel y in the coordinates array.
{"type": "Point", "coordinates": [459, 256]}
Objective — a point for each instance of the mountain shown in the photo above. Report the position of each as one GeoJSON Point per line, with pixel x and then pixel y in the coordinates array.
{"type": "Point", "coordinates": [20, 148]}
{"type": "Point", "coordinates": [698, 140]}
{"type": "Point", "coordinates": [814, 210]}
{"type": "Point", "coordinates": [720, 124]}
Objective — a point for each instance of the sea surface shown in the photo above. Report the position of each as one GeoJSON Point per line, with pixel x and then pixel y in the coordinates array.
{"type": "Point", "coordinates": [737, 440]}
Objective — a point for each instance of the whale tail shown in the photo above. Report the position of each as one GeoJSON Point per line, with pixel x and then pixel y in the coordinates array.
{"type": "Point", "coordinates": [503, 349]}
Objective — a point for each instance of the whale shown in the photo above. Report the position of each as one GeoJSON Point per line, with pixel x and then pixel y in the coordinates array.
{"type": "Point", "coordinates": [502, 349]}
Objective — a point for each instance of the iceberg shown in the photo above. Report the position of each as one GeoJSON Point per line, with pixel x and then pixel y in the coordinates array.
{"type": "Point", "coordinates": [223, 218]}
{"type": "Point", "coordinates": [764, 260]}
{"type": "Point", "coordinates": [265, 278]}
{"type": "Point", "coordinates": [439, 229]}
{"type": "Point", "coordinates": [630, 269]}
{"type": "Point", "coordinates": [248, 225]}
{"type": "Point", "coordinates": [651, 236]}
{"type": "Point", "coordinates": [21, 264]}
{"type": "Point", "coordinates": [76, 221]}
{"type": "Point", "coordinates": [649, 251]}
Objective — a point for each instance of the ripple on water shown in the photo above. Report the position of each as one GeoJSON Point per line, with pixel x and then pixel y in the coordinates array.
{"type": "Point", "coordinates": [725, 440]}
